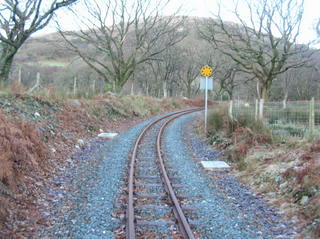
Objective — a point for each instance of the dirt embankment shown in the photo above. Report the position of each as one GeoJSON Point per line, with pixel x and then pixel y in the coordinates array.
{"type": "Point", "coordinates": [37, 135]}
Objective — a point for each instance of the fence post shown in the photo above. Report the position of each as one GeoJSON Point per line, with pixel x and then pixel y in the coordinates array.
{"type": "Point", "coordinates": [311, 116]}
{"type": "Point", "coordinates": [19, 75]}
{"type": "Point", "coordinates": [93, 87]}
{"type": "Point", "coordinates": [261, 104]}
{"type": "Point", "coordinates": [231, 109]}
{"type": "Point", "coordinates": [256, 110]}
{"type": "Point", "coordinates": [37, 85]}
{"type": "Point", "coordinates": [75, 86]}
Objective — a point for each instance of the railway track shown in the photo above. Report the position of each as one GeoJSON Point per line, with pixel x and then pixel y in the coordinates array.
{"type": "Point", "coordinates": [152, 201]}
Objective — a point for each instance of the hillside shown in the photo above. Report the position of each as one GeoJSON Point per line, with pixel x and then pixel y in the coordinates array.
{"type": "Point", "coordinates": [58, 65]}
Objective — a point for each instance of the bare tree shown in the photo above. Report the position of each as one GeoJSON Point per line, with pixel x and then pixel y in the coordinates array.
{"type": "Point", "coordinates": [189, 68]}
{"type": "Point", "coordinates": [165, 70]}
{"type": "Point", "coordinates": [263, 46]}
{"type": "Point", "coordinates": [226, 74]}
{"type": "Point", "coordinates": [124, 34]}
{"type": "Point", "coordinates": [286, 81]}
{"type": "Point", "coordinates": [19, 19]}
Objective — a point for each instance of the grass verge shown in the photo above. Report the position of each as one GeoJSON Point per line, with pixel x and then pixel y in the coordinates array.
{"type": "Point", "coordinates": [286, 170]}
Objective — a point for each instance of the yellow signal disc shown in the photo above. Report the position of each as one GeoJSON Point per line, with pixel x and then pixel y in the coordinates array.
{"type": "Point", "coordinates": [206, 71]}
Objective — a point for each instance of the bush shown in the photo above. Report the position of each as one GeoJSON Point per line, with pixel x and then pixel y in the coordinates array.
{"type": "Point", "coordinates": [217, 120]}
{"type": "Point", "coordinates": [21, 151]}
{"type": "Point", "coordinates": [243, 132]}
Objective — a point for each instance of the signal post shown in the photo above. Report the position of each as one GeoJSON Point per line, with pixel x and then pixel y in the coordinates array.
{"type": "Point", "coordinates": [206, 72]}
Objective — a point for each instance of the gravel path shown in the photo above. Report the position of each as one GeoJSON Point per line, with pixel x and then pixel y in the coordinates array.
{"type": "Point", "coordinates": [84, 197]}
{"type": "Point", "coordinates": [226, 208]}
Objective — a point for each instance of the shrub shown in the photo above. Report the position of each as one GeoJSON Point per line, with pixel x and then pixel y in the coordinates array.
{"type": "Point", "coordinates": [21, 151]}
{"type": "Point", "coordinates": [217, 120]}
{"type": "Point", "coordinates": [244, 131]}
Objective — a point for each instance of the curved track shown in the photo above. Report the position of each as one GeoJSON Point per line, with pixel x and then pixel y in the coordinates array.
{"type": "Point", "coordinates": [180, 218]}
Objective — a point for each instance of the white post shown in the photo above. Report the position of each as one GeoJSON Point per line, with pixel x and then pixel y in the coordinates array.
{"type": "Point", "coordinates": [19, 76]}
{"type": "Point", "coordinates": [231, 109]}
{"type": "Point", "coordinates": [256, 110]}
{"type": "Point", "coordinates": [261, 109]}
{"type": "Point", "coordinates": [206, 106]}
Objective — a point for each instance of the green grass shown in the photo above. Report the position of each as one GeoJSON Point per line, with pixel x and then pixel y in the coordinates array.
{"type": "Point", "coordinates": [49, 63]}
{"type": "Point", "coordinates": [53, 63]}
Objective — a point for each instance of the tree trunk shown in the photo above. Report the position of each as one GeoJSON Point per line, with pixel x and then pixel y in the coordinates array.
{"type": "Point", "coordinates": [147, 89]}
{"type": "Point", "coordinates": [258, 90]}
{"type": "Point", "coordinates": [265, 93]}
{"type": "Point", "coordinates": [230, 94]}
{"type": "Point", "coordinates": [119, 82]}
{"type": "Point", "coordinates": [170, 92]}
{"type": "Point", "coordinates": [189, 91]}
{"type": "Point", "coordinates": [118, 88]}
{"type": "Point", "coordinates": [266, 86]}
{"type": "Point", "coordinates": [132, 84]}
{"type": "Point", "coordinates": [5, 66]}
{"type": "Point", "coordinates": [114, 86]}
{"type": "Point", "coordinates": [285, 99]}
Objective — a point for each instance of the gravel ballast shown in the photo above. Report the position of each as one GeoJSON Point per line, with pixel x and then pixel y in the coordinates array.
{"type": "Point", "coordinates": [226, 208]}
{"type": "Point", "coordinates": [84, 196]}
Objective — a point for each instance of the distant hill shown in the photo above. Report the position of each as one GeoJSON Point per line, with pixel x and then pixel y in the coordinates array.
{"type": "Point", "coordinates": [50, 50]}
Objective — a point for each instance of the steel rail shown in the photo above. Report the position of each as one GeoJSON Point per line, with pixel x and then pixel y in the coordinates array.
{"type": "Point", "coordinates": [179, 214]}
{"type": "Point", "coordinates": [130, 226]}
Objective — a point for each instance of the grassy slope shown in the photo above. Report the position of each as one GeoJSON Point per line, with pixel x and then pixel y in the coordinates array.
{"type": "Point", "coordinates": [286, 172]}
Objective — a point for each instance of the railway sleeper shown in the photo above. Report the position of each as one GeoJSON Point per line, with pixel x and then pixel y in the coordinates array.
{"type": "Point", "coordinates": [165, 222]}
{"type": "Point", "coordinates": [157, 185]}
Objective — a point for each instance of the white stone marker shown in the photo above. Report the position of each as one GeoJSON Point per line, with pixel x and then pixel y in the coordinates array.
{"type": "Point", "coordinates": [107, 135]}
{"type": "Point", "coordinates": [214, 165]}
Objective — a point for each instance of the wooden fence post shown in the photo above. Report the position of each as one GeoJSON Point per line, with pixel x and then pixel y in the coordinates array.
{"type": "Point", "coordinates": [75, 86]}
{"type": "Point", "coordinates": [311, 116]}
{"type": "Point", "coordinates": [37, 85]}
{"type": "Point", "coordinates": [93, 87]}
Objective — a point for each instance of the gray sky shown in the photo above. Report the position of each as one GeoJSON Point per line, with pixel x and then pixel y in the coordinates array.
{"type": "Point", "coordinates": [205, 8]}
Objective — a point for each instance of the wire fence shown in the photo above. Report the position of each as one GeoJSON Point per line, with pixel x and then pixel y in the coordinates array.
{"type": "Point", "coordinates": [292, 118]}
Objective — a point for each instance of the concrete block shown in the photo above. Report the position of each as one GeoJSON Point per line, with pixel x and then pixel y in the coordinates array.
{"type": "Point", "coordinates": [214, 165]}
{"type": "Point", "coordinates": [107, 135]}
